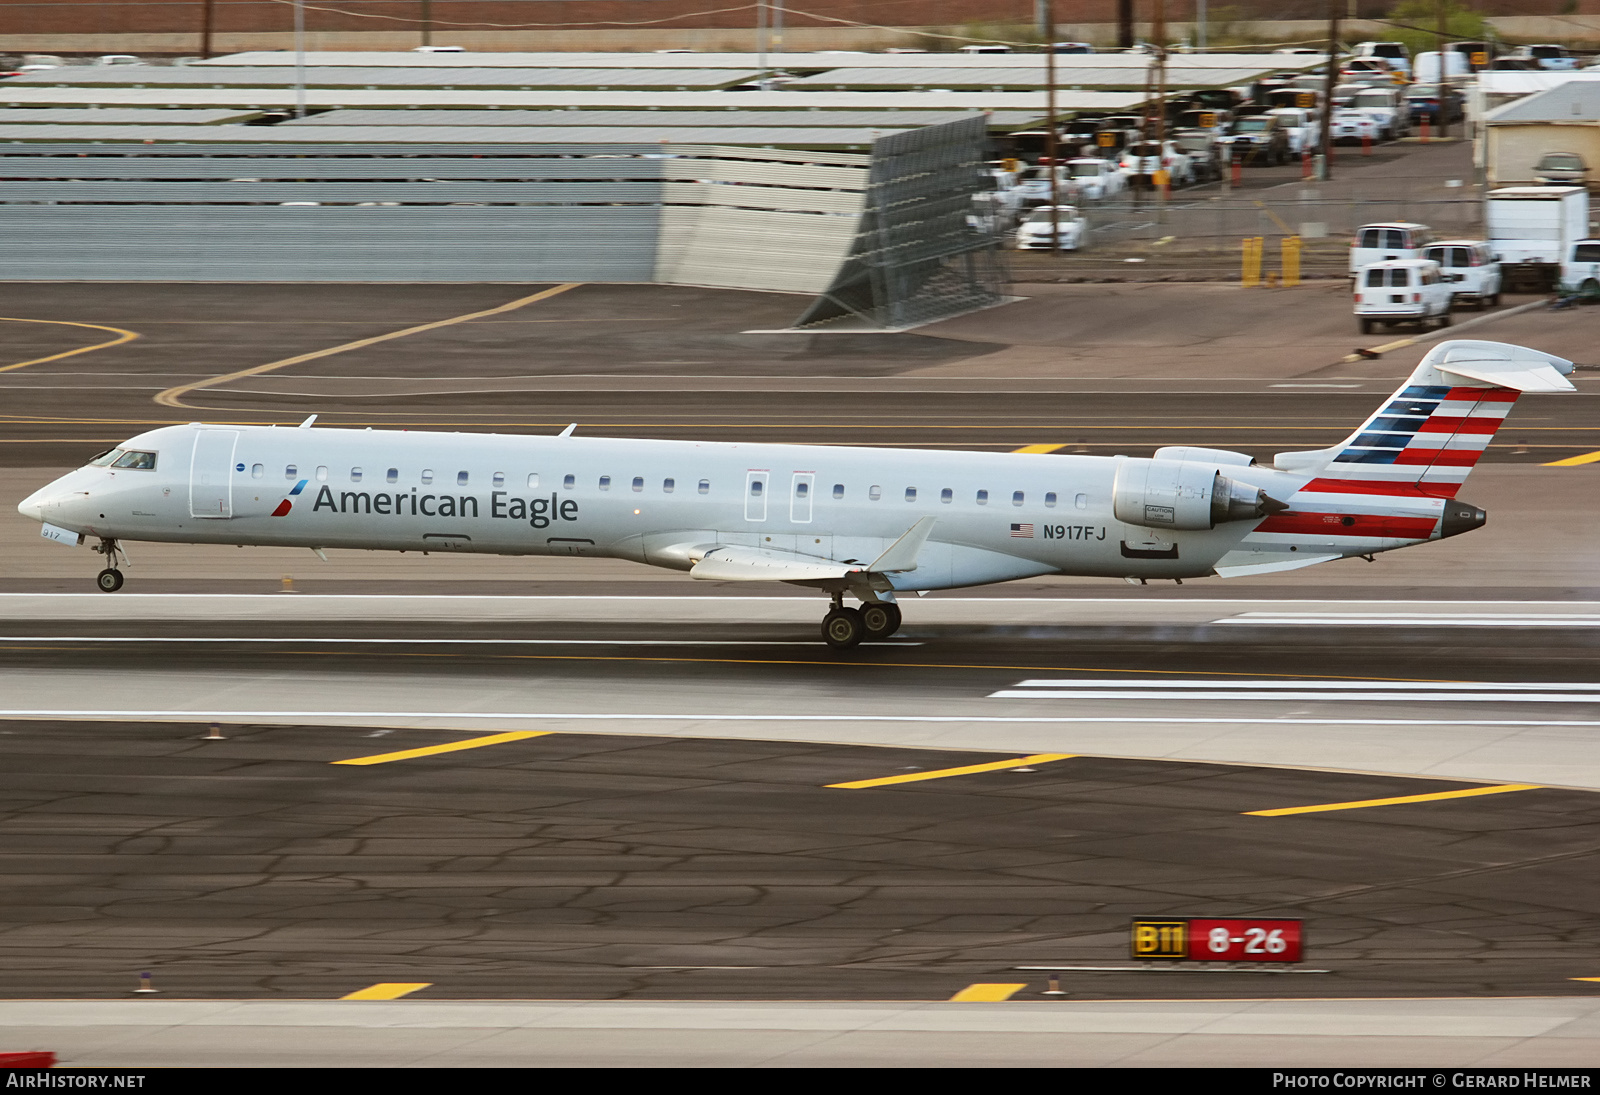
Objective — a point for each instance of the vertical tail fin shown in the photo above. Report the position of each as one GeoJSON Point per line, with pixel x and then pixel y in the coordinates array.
{"type": "Point", "coordinates": [1428, 436]}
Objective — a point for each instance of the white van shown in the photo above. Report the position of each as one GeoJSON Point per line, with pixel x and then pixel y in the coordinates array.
{"type": "Point", "coordinates": [1396, 53]}
{"type": "Point", "coordinates": [1405, 291]}
{"type": "Point", "coordinates": [1426, 69]}
{"type": "Point", "coordinates": [1471, 269]}
{"type": "Point", "coordinates": [1388, 241]}
{"type": "Point", "coordinates": [1580, 273]}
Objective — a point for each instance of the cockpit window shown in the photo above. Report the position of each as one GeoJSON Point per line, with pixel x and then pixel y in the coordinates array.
{"type": "Point", "coordinates": [110, 456]}
{"type": "Point", "coordinates": [144, 461]}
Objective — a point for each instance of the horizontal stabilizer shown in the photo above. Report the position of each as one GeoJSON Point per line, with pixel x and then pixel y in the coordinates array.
{"type": "Point", "coordinates": [1501, 365]}
{"type": "Point", "coordinates": [1242, 564]}
{"type": "Point", "coordinates": [744, 564]}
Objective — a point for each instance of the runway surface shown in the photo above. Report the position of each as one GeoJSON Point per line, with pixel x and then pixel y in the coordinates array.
{"type": "Point", "coordinates": [621, 787]}
{"type": "Point", "coordinates": [1373, 1034]}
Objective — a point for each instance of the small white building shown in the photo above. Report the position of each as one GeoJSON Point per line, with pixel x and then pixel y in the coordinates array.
{"type": "Point", "coordinates": [1565, 118]}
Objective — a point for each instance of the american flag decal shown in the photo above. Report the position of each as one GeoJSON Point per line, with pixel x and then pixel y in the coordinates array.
{"type": "Point", "coordinates": [1022, 532]}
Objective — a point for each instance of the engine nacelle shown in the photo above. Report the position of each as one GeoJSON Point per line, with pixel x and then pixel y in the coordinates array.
{"type": "Point", "coordinates": [1177, 494]}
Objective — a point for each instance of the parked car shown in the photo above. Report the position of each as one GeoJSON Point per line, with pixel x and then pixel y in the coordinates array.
{"type": "Point", "coordinates": [1071, 47]}
{"type": "Point", "coordinates": [1402, 291]}
{"type": "Point", "coordinates": [114, 59]}
{"type": "Point", "coordinates": [1389, 106]}
{"type": "Point", "coordinates": [1561, 169]}
{"type": "Point", "coordinates": [1430, 101]}
{"type": "Point", "coordinates": [1551, 58]}
{"type": "Point", "coordinates": [1580, 273]}
{"type": "Point", "coordinates": [1202, 150]}
{"type": "Point", "coordinates": [1214, 122]}
{"type": "Point", "coordinates": [1396, 54]}
{"type": "Point", "coordinates": [1354, 126]}
{"type": "Point", "coordinates": [1304, 128]}
{"type": "Point", "coordinates": [1096, 179]}
{"type": "Point", "coordinates": [984, 49]}
{"type": "Point", "coordinates": [1388, 242]}
{"type": "Point", "coordinates": [1034, 232]}
{"type": "Point", "coordinates": [1140, 162]}
{"type": "Point", "coordinates": [1471, 269]}
{"type": "Point", "coordinates": [1258, 139]}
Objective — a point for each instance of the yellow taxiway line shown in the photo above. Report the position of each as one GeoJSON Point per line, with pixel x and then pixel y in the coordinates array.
{"type": "Point", "coordinates": [1470, 792]}
{"type": "Point", "coordinates": [388, 990]}
{"type": "Point", "coordinates": [946, 773]}
{"type": "Point", "coordinates": [1574, 461]}
{"type": "Point", "coordinates": [173, 397]}
{"type": "Point", "coordinates": [122, 336]}
{"type": "Point", "coordinates": [448, 747]}
{"type": "Point", "coordinates": [1039, 448]}
{"type": "Point", "coordinates": [990, 993]}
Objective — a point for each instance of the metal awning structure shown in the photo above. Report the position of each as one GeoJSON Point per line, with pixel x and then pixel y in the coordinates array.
{"type": "Point", "coordinates": [809, 62]}
{"type": "Point", "coordinates": [647, 119]}
{"type": "Point", "coordinates": [797, 137]}
{"type": "Point", "coordinates": [319, 76]}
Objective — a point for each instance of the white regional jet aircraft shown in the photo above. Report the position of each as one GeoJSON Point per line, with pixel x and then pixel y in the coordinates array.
{"type": "Point", "coordinates": [865, 522]}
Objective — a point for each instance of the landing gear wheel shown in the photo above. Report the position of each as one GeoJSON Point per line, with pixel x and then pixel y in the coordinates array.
{"type": "Point", "coordinates": [880, 620]}
{"type": "Point", "coordinates": [1444, 319]}
{"type": "Point", "coordinates": [842, 628]}
{"type": "Point", "coordinates": [1494, 300]}
{"type": "Point", "coordinates": [109, 580]}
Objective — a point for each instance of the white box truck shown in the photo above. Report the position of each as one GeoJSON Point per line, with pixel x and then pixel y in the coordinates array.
{"type": "Point", "coordinates": [1532, 229]}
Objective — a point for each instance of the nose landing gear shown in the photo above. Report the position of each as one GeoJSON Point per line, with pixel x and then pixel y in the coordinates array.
{"type": "Point", "coordinates": [109, 580]}
{"type": "Point", "coordinates": [844, 627]}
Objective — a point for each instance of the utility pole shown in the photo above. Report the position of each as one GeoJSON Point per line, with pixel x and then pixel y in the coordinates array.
{"type": "Point", "coordinates": [761, 44]}
{"type": "Point", "coordinates": [1158, 39]}
{"type": "Point", "coordinates": [1325, 155]}
{"type": "Point", "coordinates": [206, 17]}
{"type": "Point", "coordinates": [1441, 25]}
{"type": "Point", "coordinates": [1051, 151]}
{"type": "Point", "coordinates": [1125, 24]}
{"type": "Point", "coordinates": [299, 59]}
{"type": "Point", "coordinates": [427, 22]}
{"type": "Point", "coordinates": [1200, 26]}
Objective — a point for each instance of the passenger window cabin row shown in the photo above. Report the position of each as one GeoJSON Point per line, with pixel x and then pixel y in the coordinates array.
{"type": "Point", "coordinates": [668, 486]}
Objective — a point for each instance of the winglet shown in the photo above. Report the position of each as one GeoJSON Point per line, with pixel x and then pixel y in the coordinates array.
{"type": "Point", "coordinates": [306, 425]}
{"type": "Point", "coordinates": [568, 431]}
{"type": "Point", "coordinates": [902, 554]}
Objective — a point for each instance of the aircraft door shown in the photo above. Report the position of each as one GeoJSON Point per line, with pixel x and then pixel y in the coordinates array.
{"type": "Point", "coordinates": [211, 473]}
{"type": "Point", "coordinates": [755, 495]}
{"type": "Point", "coordinates": [800, 492]}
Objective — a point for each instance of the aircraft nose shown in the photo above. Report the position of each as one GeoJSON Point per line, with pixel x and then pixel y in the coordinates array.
{"type": "Point", "coordinates": [33, 505]}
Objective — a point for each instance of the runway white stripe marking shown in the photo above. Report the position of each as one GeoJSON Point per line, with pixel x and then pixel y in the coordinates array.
{"type": "Point", "coordinates": [1473, 619]}
{"type": "Point", "coordinates": [425, 642]}
{"type": "Point", "coordinates": [1394, 686]}
{"type": "Point", "coordinates": [201, 713]}
{"type": "Point", "coordinates": [1324, 697]}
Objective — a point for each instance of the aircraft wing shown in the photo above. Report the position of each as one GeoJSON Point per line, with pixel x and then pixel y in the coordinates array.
{"type": "Point", "coordinates": [744, 564]}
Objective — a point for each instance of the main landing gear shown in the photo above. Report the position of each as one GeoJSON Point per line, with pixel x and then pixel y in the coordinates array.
{"type": "Point", "coordinates": [109, 580]}
{"type": "Point", "coordinates": [846, 627]}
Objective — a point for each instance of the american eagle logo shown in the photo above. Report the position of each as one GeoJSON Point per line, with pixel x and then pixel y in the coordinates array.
{"type": "Point", "coordinates": [285, 506]}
